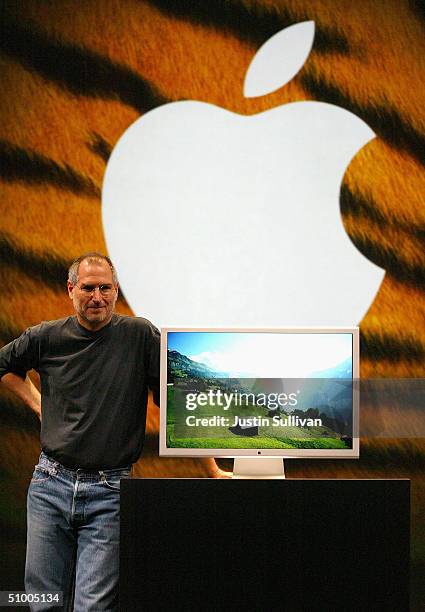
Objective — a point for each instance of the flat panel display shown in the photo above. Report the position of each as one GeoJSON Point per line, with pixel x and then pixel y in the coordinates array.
{"type": "Point", "coordinates": [273, 392]}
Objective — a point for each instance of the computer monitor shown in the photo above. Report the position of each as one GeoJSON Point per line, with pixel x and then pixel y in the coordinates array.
{"type": "Point", "coordinates": [257, 394]}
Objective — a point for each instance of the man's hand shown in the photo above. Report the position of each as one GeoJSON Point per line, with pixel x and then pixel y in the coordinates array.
{"type": "Point", "coordinates": [25, 390]}
{"type": "Point", "coordinates": [216, 472]}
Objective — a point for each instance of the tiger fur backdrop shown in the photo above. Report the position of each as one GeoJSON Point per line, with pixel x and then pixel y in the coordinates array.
{"type": "Point", "coordinates": [76, 75]}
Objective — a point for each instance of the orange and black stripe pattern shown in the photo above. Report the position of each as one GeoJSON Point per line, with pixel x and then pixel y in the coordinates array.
{"type": "Point", "coordinates": [76, 75]}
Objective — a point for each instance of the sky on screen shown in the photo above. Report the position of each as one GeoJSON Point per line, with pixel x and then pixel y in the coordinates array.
{"type": "Point", "coordinates": [264, 355]}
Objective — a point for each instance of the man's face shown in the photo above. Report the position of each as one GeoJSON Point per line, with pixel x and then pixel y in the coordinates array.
{"type": "Point", "coordinates": [94, 295]}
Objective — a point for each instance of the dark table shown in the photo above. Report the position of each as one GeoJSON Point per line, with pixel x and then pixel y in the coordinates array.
{"type": "Point", "coordinates": [290, 545]}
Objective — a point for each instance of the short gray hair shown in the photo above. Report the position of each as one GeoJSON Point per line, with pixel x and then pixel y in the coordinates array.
{"type": "Point", "coordinates": [92, 257]}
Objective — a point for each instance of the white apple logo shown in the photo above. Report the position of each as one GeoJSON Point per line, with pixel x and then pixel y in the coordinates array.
{"type": "Point", "coordinates": [216, 219]}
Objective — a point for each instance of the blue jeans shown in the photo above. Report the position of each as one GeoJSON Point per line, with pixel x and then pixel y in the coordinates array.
{"type": "Point", "coordinates": [73, 536]}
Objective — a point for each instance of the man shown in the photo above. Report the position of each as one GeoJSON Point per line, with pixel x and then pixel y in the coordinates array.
{"type": "Point", "coordinates": [95, 369]}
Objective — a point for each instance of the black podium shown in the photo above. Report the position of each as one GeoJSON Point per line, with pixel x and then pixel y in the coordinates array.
{"type": "Point", "coordinates": [288, 545]}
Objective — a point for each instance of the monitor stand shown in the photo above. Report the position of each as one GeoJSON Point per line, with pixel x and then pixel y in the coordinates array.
{"type": "Point", "coordinates": [258, 467]}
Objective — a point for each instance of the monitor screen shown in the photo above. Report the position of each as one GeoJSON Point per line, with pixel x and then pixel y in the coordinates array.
{"type": "Point", "coordinates": [273, 392]}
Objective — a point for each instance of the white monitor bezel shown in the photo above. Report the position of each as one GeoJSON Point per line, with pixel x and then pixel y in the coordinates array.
{"type": "Point", "coordinates": [307, 453]}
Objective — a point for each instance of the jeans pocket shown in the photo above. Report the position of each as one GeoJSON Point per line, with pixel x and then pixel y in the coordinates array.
{"type": "Point", "coordinates": [112, 481]}
{"type": "Point", "coordinates": [40, 475]}
{"type": "Point", "coordinates": [112, 484]}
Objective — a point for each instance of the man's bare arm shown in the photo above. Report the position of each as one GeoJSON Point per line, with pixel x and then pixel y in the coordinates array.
{"type": "Point", "coordinates": [25, 390]}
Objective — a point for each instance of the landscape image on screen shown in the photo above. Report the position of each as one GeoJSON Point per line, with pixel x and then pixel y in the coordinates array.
{"type": "Point", "coordinates": [241, 390]}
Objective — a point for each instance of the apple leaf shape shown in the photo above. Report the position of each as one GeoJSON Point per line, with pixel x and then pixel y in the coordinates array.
{"type": "Point", "coordinates": [279, 59]}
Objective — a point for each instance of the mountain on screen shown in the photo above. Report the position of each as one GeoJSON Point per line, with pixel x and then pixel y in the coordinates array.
{"type": "Point", "coordinates": [342, 370]}
{"type": "Point", "coordinates": [180, 366]}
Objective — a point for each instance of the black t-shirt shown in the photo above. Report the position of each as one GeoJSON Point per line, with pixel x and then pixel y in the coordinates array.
{"type": "Point", "coordinates": [94, 387]}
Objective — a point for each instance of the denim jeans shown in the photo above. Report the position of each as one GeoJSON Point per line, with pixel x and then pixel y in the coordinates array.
{"type": "Point", "coordinates": [73, 536]}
